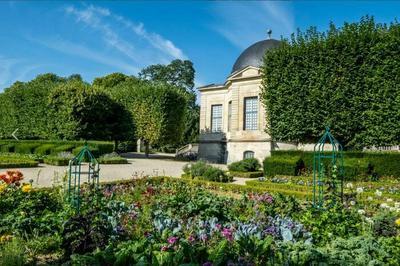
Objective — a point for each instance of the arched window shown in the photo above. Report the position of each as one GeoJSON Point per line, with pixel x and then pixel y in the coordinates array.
{"type": "Point", "coordinates": [248, 154]}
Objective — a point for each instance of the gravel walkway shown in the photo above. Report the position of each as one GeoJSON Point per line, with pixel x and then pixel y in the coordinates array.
{"type": "Point", "coordinates": [139, 166]}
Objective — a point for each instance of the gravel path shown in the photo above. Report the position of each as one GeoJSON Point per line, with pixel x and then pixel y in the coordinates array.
{"type": "Point", "coordinates": [157, 165]}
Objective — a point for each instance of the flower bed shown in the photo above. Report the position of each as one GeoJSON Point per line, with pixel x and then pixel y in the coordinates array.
{"type": "Point", "coordinates": [166, 221]}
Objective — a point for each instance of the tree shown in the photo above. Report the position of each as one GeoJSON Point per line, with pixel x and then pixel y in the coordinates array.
{"type": "Point", "coordinates": [81, 111]}
{"type": "Point", "coordinates": [159, 114]}
{"type": "Point", "coordinates": [346, 78]}
{"type": "Point", "coordinates": [179, 73]}
{"type": "Point", "coordinates": [24, 106]}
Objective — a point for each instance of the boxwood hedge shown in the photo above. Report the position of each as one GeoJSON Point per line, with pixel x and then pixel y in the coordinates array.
{"type": "Point", "coordinates": [357, 165]}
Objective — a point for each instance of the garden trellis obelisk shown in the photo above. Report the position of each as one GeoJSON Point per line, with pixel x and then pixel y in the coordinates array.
{"type": "Point", "coordinates": [328, 172]}
{"type": "Point", "coordinates": [80, 171]}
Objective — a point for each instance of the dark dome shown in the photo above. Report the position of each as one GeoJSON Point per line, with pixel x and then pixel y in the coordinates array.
{"type": "Point", "coordinates": [253, 55]}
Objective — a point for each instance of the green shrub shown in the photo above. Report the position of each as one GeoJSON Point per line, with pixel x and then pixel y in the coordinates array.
{"type": "Point", "coordinates": [357, 165]}
{"type": "Point", "coordinates": [195, 169]}
{"type": "Point", "coordinates": [12, 253]}
{"type": "Point", "coordinates": [112, 158]}
{"type": "Point", "coordinates": [384, 224]}
{"type": "Point", "coordinates": [283, 165]}
{"type": "Point", "coordinates": [26, 147]}
{"type": "Point", "coordinates": [13, 161]}
{"type": "Point", "coordinates": [44, 149]}
{"type": "Point", "coordinates": [10, 147]}
{"type": "Point", "coordinates": [102, 147]}
{"type": "Point", "coordinates": [216, 174]}
{"type": "Point", "coordinates": [61, 148]}
{"type": "Point", "coordinates": [246, 165]}
{"type": "Point", "coordinates": [246, 174]}
{"type": "Point", "coordinates": [58, 161]}
{"type": "Point", "coordinates": [202, 170]}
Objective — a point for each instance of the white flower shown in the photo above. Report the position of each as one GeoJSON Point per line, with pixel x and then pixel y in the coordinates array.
{"type": "Point", "coordinates": [369, 220]}
{"type": "Point", "coordinates": [384, 206]}
{"type": "Point", "coordinates": [352, 203]}
{"type": "Point", "coordinates": [378, 193]}
{"type": "Point", "coordinates": [362, 212]}
{"type": "Point", "coordinates": [389, 200]}
{"type": "Point", "coordinates": [392, 209]}
{"type": "Point", "coordinates": [360, 190]}
{"type": "Point", "coordinates": [397, 204]}
{"type": "Point", "coordinates": [349, 185]}
{"type": "Point", "coordinates": [370, 198]}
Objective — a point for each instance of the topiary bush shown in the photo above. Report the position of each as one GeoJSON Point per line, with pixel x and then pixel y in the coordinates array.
{"type": "Point", "coordinates": [246, 165]}
{"type": "Point", "coordinates": [202, 170]}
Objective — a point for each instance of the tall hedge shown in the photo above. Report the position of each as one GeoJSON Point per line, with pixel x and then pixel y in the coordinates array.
{"type": "Point", "coordinates": [24, 106]}
{"type": "Point", "coordinates": [81, 111]}
{"type": "Point", "coordinates": [159, 113]}
{"type": "Point", "coordinates": [347, 78]}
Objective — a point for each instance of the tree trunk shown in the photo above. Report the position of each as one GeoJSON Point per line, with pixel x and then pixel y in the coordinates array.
{"type": "Point", "coordinates": [146, 148]}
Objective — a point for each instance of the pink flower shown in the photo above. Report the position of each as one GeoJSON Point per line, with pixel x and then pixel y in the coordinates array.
{"type": "Point", "coordinates": [172, 240]}
{"type": "Point", "coordinates": [228, 234]}
{"type": "Point", "coordinates": [164, 248]}
{"type": "Point", "coordinates": [191, 238]}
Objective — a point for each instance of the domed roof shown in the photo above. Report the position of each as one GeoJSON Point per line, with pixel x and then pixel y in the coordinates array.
{"type": "Point", "coordinates": [253, 55]}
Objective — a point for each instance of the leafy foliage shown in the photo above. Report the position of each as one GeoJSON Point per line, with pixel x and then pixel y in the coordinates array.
{"type": "Point", "coordinates": [246, 165]}
{"type": "Point", "coordinates": [346, 77]}
{"type": "Point", "coordinates": [179, 73]}
{"type": "Point", "coordinates": [158, 112]}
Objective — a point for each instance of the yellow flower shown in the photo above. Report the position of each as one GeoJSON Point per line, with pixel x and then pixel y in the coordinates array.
{"type": "Point", "coordinates": [26, 188]}
{"type": "Point", "coordinates": [397, 222]}
{"type": "Point", "coordinates": [5, 238]}
{"type": "Point", "coordinates": [3, 187]}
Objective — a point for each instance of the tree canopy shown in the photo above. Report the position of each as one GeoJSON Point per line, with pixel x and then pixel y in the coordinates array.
{"type": "Point", "coordinates": [180, 74]}
{"type": "Point", "coordinates": [159, 113]}
{"type": "Point", "coordinates": [347, 78]}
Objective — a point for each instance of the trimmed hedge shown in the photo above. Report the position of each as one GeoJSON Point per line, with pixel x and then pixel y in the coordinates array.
{"type": "Point", "coordinates": [246, 174]}
{"type": "Point", "coordinates": [25, 148]}
{"type": "Point", "coordinates": [16, 162]}
{"type": "Point", "coordinates": [44, 149]}
{"type": "Point", "coordinates": [357, 165]}
{"type": "Point", "coordinates": [113, 160]}
{"type": "Point", "coordinates": [58, 161]}
{"type": "Point", "coordinates": [62, 148]}
{"type": "Point", "coordinates": [10, 147]}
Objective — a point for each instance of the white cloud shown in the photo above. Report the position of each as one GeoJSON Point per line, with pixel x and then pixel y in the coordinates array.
{"type": "Point", "coordinates": [121, 38]}
{"type": "Point", "coordinates": [83, 51]}
{"type": "Point", "coordinates": [14, 69]}
{"type": "Point", "coordinates": [92, 17]}
{"type": "Point", "coordinates": [245, 23]}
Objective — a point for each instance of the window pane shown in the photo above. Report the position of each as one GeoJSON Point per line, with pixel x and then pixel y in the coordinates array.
{"type": "Point", "coordinates": [251, 113]}
{"type": "Point", "coordinates": [216, 118]}
{"type": "Point", "coordinates": [248, 154]}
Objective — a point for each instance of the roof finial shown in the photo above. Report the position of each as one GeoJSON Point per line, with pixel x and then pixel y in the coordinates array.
{"type": "Point", "coordinates": [269, 32]}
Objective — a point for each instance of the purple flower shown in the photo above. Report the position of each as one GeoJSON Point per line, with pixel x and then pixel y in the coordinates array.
{"type": "Point", "coordinates": [270, 230]}
{"type": "Point", "coordinates": [227, 233]}
{"type": "Point", "coordinates": [207, 264]}
{"type": "Point", "coordinates": [191, 238]}
{"type": "Point", "coordinates": [172, 240]}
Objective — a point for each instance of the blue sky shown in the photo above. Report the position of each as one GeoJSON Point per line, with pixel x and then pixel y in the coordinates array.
{"type": "Point", "coordinates": [101, 37]}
